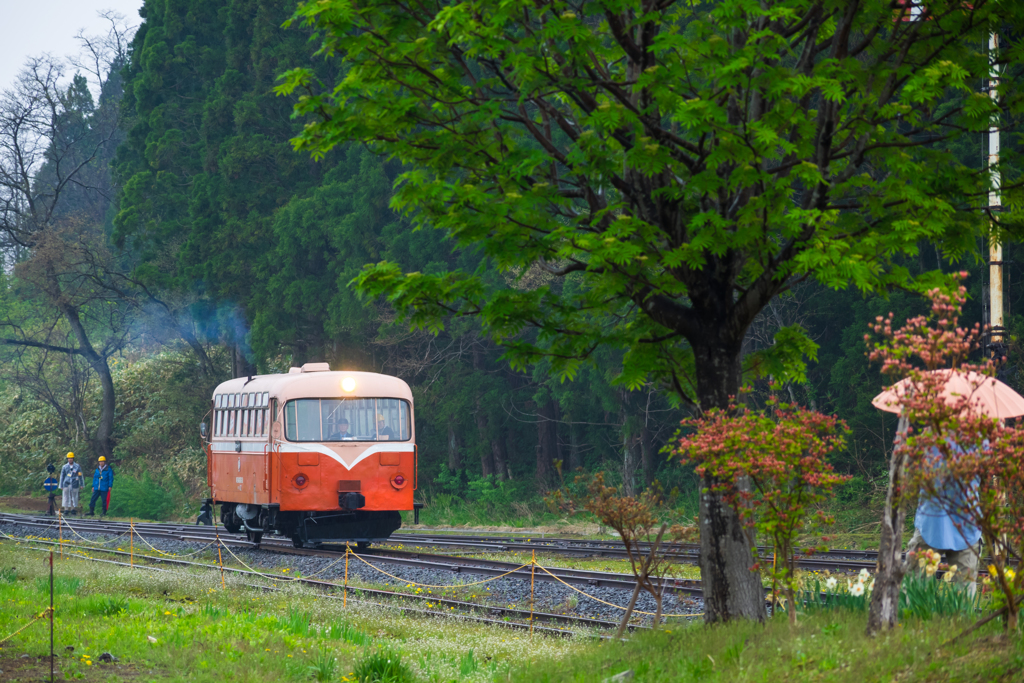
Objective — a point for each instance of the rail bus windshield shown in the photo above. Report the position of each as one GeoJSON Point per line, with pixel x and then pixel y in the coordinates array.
{"type": "Point", "coordinates": [347, 419]}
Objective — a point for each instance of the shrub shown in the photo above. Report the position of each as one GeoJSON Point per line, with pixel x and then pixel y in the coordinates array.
{"type": "Point", "coordinates": [140, 497]}
{"type": "Point", "coordinates": [324, 666]}
{"type": "Point", "coordinates": [383, 666]}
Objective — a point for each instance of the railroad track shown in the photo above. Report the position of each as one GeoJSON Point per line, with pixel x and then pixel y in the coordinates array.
{"type": "Point", "coordinates": [443, 563]}
{"type": "Point", "coordinates": [832, 560]}
{"type": "Point", "coordinates": [468, 611]}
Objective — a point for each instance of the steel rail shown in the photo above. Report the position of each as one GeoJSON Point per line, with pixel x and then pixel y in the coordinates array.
{"type": "Point", "coordinates": [451, 563]}
{"type": "Point", "coordinates": [331, 586]}
{"type": "Point", "coordinates": [834, 560]}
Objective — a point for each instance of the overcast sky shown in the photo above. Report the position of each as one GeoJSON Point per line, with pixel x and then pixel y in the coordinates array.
{"type": "Point", "coordinates": [29, 28]}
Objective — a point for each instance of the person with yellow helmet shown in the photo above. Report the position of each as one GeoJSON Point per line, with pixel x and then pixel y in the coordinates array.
{"type": "Point", "coordinates": [383, 431]}
{"type": "Point", "coordinates": [102, 482]}
{"type": "Point", "coordinates": [71, 480]}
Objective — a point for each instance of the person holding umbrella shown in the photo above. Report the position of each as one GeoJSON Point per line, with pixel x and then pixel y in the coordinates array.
{"type": "Point", "coordinates": [943, 520]}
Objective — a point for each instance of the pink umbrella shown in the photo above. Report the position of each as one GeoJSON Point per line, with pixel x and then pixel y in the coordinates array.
{"type": "Point", "coordinates": [990, 396]}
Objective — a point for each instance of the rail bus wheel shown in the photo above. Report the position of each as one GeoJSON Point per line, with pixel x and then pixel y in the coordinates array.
{"type": "Point", "coordinates": [230, 521]}
{"type": "Point", "coordinates": [254, 536]}
{"type": "Point", "coordinates": [363, 545]}
{"type": "Point", "coordinates": [297, 541]}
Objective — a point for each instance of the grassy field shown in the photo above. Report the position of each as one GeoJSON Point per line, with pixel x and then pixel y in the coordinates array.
{"type": "Point", "coordinates": [186, 626]}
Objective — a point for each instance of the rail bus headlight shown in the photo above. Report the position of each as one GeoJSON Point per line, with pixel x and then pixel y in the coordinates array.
{"type": "Point", "coordinates": [348, 384]}
{"type": "Point", "coordinates": [300, 480]}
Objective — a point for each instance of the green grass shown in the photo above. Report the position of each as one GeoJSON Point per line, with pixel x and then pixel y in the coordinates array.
{"type": "Point", "coordinates": [203, 632]}
{"type": "Point", "coordinates": [823, 647]}
{"type": "Point", "coordinates": [206, 633]}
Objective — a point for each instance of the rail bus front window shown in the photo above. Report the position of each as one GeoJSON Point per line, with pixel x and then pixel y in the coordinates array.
{"type": "Point", "coordinates": [347, 419]}
{"type": "Point", "coordinates": [302, 420]}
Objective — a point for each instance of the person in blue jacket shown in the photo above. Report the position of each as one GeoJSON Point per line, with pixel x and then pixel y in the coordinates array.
{"type": "Point", "coordinates": [102, 482]}
{"type": "Point", "coordinates": [51, 485]}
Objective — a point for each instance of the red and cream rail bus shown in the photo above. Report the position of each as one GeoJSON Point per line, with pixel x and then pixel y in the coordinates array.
{"type": "Point", "coordinates": [314, 455]}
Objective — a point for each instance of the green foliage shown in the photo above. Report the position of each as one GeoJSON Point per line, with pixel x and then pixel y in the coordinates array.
{"type": "Point", "coordinates": [490, 492]}
{"type": "Point", "coordinates": [921, 597]}
{"type": "Point", "coordinates": [62, 585]}
{"type": "Point", "coordinates": [656, 227]}
{"type": "Point", "coordinates": [343, 630]}
{"type": "Point", "coordinates": [383, 666]}
{"type": "Point", "coordinates": [296, 622]}
{"type": "Point", "coordinates": [468, 664]}
{"type": "Point", "coordinates": [324, 666]}
{"type": "Point", "coordinates": [927, 597]}
{"type": "Point", "coordinates": [143, 497]}
{"type": "Point", "coordinates": [211, 611]}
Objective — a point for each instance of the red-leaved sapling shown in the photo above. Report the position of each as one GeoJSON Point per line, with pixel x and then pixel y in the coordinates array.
{"type": "Point", "coordinates": [772, 468]}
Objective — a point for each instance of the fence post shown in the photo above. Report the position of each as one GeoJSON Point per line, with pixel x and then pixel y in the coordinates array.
{"type": "Point", "coordinates": [131, 541]}
{"type": "Point", "coordinates": [60, 532]}
{"type": "Point", "coordinates": [533, 570]}
{"type": "Point", "coordinates": [220, 561]}
{"type": "Point", "coordinates": [51, 616]}
{"type": "Point", "coordinates": [344, 599]}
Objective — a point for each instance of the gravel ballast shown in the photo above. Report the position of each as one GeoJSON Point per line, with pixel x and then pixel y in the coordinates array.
{"type": "Point", "coordinates": [504, 592]}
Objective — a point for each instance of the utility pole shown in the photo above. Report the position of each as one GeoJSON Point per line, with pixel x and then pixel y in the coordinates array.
{"type": "Point", "coordinates": [997, 344]}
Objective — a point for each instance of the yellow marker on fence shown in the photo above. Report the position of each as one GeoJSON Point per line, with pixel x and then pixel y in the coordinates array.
{"type": "Point", "coordinates": [344, 599]}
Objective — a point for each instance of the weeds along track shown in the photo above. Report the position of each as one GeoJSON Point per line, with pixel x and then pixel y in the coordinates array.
{"type": "Point", "coordinates": [406, 558]}
{"type": "Point", "coordinates": [832, 560]}
{"type": "Point", "coordinates": [452, 609]}
{"type": "Point", "coordinates": [599, 586]}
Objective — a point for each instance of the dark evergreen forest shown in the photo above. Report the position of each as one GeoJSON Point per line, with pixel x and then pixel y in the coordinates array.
{"type": "Point", "coordinates": [170, 238]}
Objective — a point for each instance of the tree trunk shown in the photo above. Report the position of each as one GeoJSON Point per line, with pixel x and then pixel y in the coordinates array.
{"type": "Point", "coordinates": [487, 446]}
{"type": "Point", "coordinates": [546, 443]}
{"type": "Point", "coordinates": [103, 441]}
{"type": "Point", "coordinates": [486, 452]}
{"type": "Point", "coordinates": [574, 449]}
{"type": "Point", "coordinates": [454, 454]}
{"type": "Point", "coordinates": [205, 365]}
{"type": "Point", "coordinates": [628, 446]}
{"type": "Point", "coordinates": [731, 588]}
{"type": "Point", "coordinates": [500, 459]}
{"type": "Point", "coordinates": [647, 454]}
{"type": "Point", "coordinates": [885, 598]}
{"type": "Point", "coordinates": [240, 365]}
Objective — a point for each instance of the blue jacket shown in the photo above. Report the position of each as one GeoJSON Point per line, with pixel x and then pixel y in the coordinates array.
{"type": "Point", "coordinates": [103, 479]}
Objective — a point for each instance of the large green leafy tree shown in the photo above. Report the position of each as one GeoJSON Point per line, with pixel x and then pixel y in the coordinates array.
{"type": "Point", "coordinates": [673, 165]}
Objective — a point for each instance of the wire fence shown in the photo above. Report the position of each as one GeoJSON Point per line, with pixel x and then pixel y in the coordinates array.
{"type": "Point", "coordinates": [132, 532]}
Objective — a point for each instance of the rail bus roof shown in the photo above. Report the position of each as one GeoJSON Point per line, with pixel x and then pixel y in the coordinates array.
{"type": "Point", "coordinates": [317, 383]}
